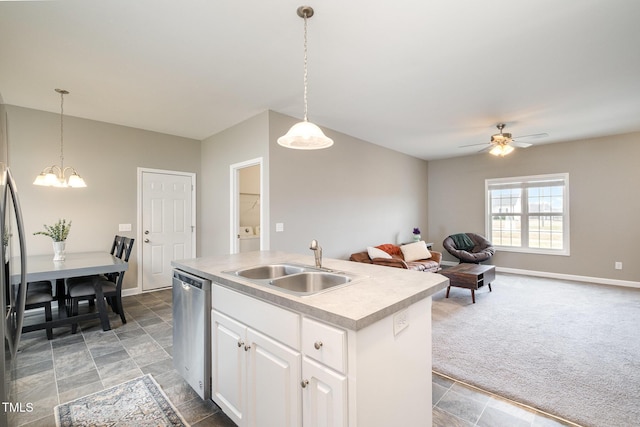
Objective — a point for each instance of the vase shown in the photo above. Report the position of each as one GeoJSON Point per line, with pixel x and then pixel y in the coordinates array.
{"type": "Point", "coordinates": [417, 237]}
{"type": "Point", "coordinates": [58, 251]}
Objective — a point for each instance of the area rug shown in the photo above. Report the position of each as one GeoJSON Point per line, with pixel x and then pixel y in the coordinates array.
{"type": "Point", "coordinates": [570, 349]}
{"type": "Point", "coordinates": [137, 403]}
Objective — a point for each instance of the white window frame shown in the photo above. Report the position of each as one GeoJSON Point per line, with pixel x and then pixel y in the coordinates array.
{"type": "Point", "coordinates": [526, 182]}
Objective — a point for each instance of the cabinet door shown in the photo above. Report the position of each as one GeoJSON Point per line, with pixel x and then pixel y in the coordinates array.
{"type": "Point", "coordinates": [273, 382]}
{"type": "Point", "coordinates": [228, 366]}
{"type": "Point", "coordinates": [324, 398]}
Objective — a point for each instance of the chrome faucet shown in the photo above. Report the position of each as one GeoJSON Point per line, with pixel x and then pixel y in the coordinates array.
{"type": "Point", "coordinates": [317, 251]}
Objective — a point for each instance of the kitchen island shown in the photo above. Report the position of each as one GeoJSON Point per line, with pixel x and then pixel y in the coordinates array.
{"type": "Point", "coordinates": [355, 355]}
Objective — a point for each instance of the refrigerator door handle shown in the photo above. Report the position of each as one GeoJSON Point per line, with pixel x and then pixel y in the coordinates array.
{"type": "Point", "coordinates": [22, 287]}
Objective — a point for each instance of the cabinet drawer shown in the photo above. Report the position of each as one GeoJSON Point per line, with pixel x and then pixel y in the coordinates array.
{"type": "Point", "coordinates": [278, 323]}
{"type": "Point", "coordinates": [324, 343]}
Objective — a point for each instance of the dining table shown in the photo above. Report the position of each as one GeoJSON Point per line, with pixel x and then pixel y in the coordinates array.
{"type": "Point", "coordinates": [75, 264]}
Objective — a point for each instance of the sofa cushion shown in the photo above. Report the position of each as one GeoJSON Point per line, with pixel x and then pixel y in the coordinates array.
{"type": "Point", "coordinates": [424, 265]}
{"type": "Point", "coordinates": [377, 253]}
{"type": "Point", "coordinates": [390, 248]}
{"type": "Point", "coordinates": [415, 251]}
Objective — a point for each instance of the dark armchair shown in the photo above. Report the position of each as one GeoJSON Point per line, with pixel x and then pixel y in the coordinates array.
{"type": "Point", "coordinates": [469, 247]}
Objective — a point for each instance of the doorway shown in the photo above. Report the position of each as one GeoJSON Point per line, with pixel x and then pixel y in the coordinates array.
{"type": "Point", "coordinates": [247, 212]}
{"type": "Point", "coordinates": [166, 211]}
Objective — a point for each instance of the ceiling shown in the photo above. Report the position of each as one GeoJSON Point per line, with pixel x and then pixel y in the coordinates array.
{"type": "Point", "coordinates": [420, 77]}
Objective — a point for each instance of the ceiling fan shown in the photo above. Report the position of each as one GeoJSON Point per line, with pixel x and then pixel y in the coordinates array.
{"type": "Point", "coordinates": [503, 143]}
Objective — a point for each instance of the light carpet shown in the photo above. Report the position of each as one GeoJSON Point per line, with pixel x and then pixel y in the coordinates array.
{"type": "Point", "coordinates": [570, 349]}
{"type": "Point", "coordinates": [137, 403]}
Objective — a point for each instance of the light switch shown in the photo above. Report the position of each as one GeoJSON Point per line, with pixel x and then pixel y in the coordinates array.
{"type": "Point", "coordinates": [279, 227]}
{"type": "Point", "coordinates": [124, 227]}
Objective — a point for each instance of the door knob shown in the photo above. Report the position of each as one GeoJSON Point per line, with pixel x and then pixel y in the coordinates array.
{"type": "Point", "coordinates": [146, 231]}
{"type": "Point", "coordinates": [146, 240]}
{"type": "Point", "coordinates": [304, 383]}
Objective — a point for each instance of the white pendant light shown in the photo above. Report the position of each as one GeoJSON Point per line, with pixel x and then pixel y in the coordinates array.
{"type": "Point", "coordinates": [305, 135]}
{"type": "Point", "coordinates": [54, 176]}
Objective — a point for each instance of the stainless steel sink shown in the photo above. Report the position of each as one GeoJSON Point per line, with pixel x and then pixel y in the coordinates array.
{"type": "Point", "coordinates": [270, 271]}
{"type": "Point", "coordinates": [310, 282]}
{"type": "Point", "coordinates": [300, 280]}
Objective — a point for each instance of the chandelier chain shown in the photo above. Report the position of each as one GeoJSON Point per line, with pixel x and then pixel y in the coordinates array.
{"type": "Point", "coordinates": [305, 67]}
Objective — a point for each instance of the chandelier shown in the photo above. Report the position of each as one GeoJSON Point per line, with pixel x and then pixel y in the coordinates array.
{"type": "Point", "coordinates": [305, 135]}
{"type": "Point", "coordinates": [54, 176]}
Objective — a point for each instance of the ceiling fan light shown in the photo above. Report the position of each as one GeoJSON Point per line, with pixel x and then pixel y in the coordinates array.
{"type": "Point", "coordinates": [501, 150]}
{"type": "Point", "coordinates": [305, 136]}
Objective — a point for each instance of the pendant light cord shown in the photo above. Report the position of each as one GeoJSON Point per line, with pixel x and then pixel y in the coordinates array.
{"type": "Point", "coordinates": [61, 131]}
{"type": "Point", "coordinates": [305, 67]}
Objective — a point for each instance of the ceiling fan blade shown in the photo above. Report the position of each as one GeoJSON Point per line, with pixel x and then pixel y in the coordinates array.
{"type": "Point", "coordinates": [475, 145]}
{"type": "Point", "coordinates": [485, 149]}
{"type": "Point", "coordinates": [532, 136]}
{"type": "Point", "coordinates": [520, 144]}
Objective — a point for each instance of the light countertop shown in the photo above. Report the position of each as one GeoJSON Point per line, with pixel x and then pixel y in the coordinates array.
{"type": "Point", "coordinates": [376, 293]}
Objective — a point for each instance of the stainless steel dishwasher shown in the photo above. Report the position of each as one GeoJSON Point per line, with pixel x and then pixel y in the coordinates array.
{"type": "Point", "coordinates": [192, 330]}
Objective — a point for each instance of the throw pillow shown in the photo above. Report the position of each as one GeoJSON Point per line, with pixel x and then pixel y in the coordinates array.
{"type": "Point", "coordinates": [415, 251]}
{"type": "Point", "coordinates": [390, 248]}
{"type": "Point", "coordinates": [377, 253]}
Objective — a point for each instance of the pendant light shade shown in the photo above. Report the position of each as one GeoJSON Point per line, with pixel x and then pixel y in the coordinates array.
{"type": "Point", "coordinates": [305, 135]}
{"type": "Point", "coordinates": [54, 176]}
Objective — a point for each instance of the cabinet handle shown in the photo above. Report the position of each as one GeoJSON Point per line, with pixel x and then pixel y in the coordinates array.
{"type": "Point", "coordinates": [240, 343]}
{"type": "Point", "coordinates": [247, 347]}
{"type": "Point", "coordinates": [304, 383]}
{"type": "Point", "coordinates": [318, 345]}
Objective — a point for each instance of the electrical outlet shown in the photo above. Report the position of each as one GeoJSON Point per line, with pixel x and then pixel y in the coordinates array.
{"type": "Point", "coordinates": [400, 321]}
{"type": "Point", "coordinates": [279, 227]}
{"type": "Point", "coordinates": [618, 265]}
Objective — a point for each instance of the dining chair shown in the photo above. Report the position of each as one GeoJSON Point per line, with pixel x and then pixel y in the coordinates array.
{"type": "Point", "coordinates": [116, 247]}
{"type": "Point", "coordinates": [40, 295]}
{"type": "Point", "coordinates": [110, 285]}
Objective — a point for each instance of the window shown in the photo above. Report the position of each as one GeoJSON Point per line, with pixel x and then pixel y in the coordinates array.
{"type": "Point", "coordinates": [529, 214]}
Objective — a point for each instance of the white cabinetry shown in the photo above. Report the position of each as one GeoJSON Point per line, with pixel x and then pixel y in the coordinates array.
{"type": "Point", "coordinates": [324, 398]}
{"type": "Point", "coordinates": [255, 378]}
{"type": "Point", "coordinates": [275, 367]}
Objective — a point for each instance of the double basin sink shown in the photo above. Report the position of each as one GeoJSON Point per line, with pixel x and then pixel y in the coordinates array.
{"type": "Point", "coordinates": [294, 279]}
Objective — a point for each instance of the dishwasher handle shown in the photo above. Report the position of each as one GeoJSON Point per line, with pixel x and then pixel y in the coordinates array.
{"type": "Point", "coordinates": [187, 280]}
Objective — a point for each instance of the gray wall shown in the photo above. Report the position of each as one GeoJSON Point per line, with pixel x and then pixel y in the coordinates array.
{"type": "Point", "coordinates": [349, 196]}
{"type": "Point", "coordinates": [245, 141]}
{"type": "Point", "coordinates": [604, 202]}
{"type": "Point", "coordinates": [107, 157]}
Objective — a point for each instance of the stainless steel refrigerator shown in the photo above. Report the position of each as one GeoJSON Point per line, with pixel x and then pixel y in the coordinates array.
{"type": "Point", "coordinates": [12, 298]}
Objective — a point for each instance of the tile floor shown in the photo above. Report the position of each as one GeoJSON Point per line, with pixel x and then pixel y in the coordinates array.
{"type": "Point", "coordinates": [458, 405]}
{"type": "Point", "coordinates": [71, 366]}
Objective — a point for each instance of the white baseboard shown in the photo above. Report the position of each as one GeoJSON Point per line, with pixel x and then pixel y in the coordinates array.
{"type": "Point", "coordinates": [136, 291]}
{"type": "Point", "coordinates": [130, 291]}
{"type": "Point", "coordinates": [561, 276]}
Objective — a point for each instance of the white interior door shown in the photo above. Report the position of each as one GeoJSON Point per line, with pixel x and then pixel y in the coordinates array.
{"type": "Point", "coordinates": [168, 231]}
